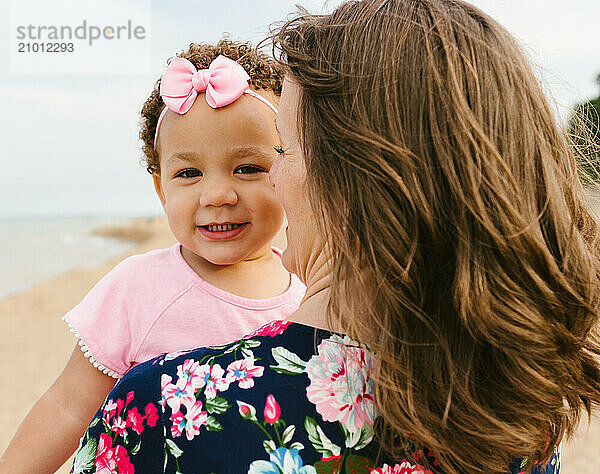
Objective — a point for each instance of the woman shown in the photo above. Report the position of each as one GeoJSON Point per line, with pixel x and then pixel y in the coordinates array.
{"type": "Point", "coordinates": [446, 234]}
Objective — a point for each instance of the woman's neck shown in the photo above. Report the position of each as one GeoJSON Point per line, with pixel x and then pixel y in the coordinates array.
{"type": "Point", "coordinates": [313, 308]}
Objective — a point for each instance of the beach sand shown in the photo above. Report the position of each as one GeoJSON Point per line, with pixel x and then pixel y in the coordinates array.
{"type": "Point", "coordinates": [36, 343]}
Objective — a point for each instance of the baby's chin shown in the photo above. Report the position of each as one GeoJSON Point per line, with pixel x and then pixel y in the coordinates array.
{"type": "Point", "coordinates": [222, 263]}
{"type": "Point", "coordinates": [224, 260]}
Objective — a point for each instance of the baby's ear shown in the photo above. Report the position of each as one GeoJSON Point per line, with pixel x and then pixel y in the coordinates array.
{"type": "Point", "coordinates": [158, 188]}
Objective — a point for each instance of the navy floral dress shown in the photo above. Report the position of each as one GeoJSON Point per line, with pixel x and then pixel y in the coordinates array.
{"type": "Point", "coordinates": [287, 398]}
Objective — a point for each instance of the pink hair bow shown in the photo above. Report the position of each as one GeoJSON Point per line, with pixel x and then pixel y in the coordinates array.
{"type": "Point", "coordinates": [224, 82]}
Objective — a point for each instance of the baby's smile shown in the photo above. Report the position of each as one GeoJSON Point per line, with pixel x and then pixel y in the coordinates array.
{"type": "Point", "coordinates": [222, 231]}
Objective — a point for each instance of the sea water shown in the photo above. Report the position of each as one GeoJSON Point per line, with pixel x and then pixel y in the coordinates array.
{"type": "Point", "coordinates": [33, 250]}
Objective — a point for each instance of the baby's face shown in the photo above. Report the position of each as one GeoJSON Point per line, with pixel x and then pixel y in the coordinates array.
{"type": "Point", "coordinates": [214, 170]}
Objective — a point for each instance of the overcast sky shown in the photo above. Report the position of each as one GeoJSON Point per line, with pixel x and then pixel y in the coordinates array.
{"type": "Point", "coordinates": [68, 142]}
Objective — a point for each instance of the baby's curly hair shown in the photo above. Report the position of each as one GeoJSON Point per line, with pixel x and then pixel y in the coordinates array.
{"type": "Point", "coordinates": [265, 73]}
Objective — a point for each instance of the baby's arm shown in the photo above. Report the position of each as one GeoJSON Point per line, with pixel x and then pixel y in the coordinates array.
{"type": "Point", "coordinates": [50, 433]}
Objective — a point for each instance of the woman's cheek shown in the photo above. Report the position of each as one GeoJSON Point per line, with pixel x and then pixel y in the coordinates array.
{"type": "Point", "coordinates": [273, 171]}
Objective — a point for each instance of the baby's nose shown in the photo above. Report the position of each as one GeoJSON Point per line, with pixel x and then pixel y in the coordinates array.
{"type": "Point", "coordinates": [217, 194]}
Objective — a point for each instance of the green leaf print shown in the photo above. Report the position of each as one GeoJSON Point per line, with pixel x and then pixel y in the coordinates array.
{"type": "Point", "coordinates": [251, 343]}
{"type": "Point", "coordinates": [135, 449]}
{"type": "Point", "coordinates": [329, 466]}
{"type": "Point", "coordinates": [360, 439]}
{"type": "Point", "coordinates": [247, 353]}
{"type": "Point", "coordinates": [213, 425]}
{"type": "Point", "coordinates": [84, 459]}
{"type": "Point", "coordinates": [287, 362]}
{"type": "Point", "coordinates": [173, 448]}
{"type": "Point", "coordinates": [217, 405]}
{"type": "Point", "coordinates": [297, 445]}
{"type": "Point", "coordinates": [288, 434]}
{"type": "Point", "coordinates": [319, 440]}
{"type": "Point", "coordinates": [106, 426]}
{"type": "Point", "coordinates": [269, 446]}
{"type": "Point", "coordinates": [358, 465]}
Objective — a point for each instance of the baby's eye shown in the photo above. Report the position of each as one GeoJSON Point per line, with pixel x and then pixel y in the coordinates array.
{"type": "Point", "coordinates": [188, 173]}
{"type": "Point", "coordinates": [249, 169]}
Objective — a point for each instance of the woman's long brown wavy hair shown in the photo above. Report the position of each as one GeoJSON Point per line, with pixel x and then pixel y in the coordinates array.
{"type": "Point", "coordinates": [431, 149]}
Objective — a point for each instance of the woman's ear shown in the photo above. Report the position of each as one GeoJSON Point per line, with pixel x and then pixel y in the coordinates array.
{"type": "Point", "coordinates": [158, 188]}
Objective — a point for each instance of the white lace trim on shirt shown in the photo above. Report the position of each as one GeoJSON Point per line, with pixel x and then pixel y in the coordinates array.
{"type": "Point", "coordinates": [88, 353]}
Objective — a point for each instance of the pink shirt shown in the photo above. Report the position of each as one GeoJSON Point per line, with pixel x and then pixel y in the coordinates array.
{"type": "Point", "coordinates": [154, 303]}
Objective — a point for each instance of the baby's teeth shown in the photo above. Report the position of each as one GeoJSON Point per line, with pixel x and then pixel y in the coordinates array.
{"type": "Point", "coordinates": [222, 228]}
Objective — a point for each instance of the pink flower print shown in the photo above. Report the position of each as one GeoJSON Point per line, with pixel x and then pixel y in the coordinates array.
{"type": "Point", "coordinates": [341, 384]}
{"type": "Point", "coordinates": [129, 398]}
{"type": "Point", "coordinates": [272, 410]}
{"type": "Point", "coordinates": [135, 421]}
{"type": "Point", "coordinates": [242, 371]}
{"type": "Point", "coordinates": [189, 371]}
{"type": "Point", "coordinates": [109, 410]}
{"type": "Point", "coordinates": [246, 411]}
{"type": "Point", "coordinates": [105, 459]}
{"type": "Point", "coordinates": [418, 454]}
{"type": "Point", "coordinates": [119, 426]}
{"type": "Point", "coordinates": [176, 394]}
{"type": "Point", "coordinates": [151, 415]}
{"type": "Point", "coordinates": [120, 405]}
{"type": "Point", "coordinates": [112, 460]}
{"type": "Point", "coordinates": [212, 377]}
{"type": "Point", "coordinates": [190, 422]}
{"type": "Point", "coordinates": [165, 380]}
{"type": "Point", "coordinates": [178, 424]}
{"type": "Point", "coordinates": [273, 328]}
{"type": "Point", "coordinates": [404, 468]}
{"type": "Point", "coordinates": [174, 355]}
{"type": "Point", "coordinates": [124, 465]}
{"type": "Point", "coordinates": [195, 418]}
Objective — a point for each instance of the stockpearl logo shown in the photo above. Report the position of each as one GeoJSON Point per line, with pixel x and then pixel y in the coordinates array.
{"type": "Point", "coordinates": [68, 36]}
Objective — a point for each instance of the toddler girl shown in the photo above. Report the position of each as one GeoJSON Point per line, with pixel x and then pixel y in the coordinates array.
{"type": "Point", "coordinates": [209, 151]}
